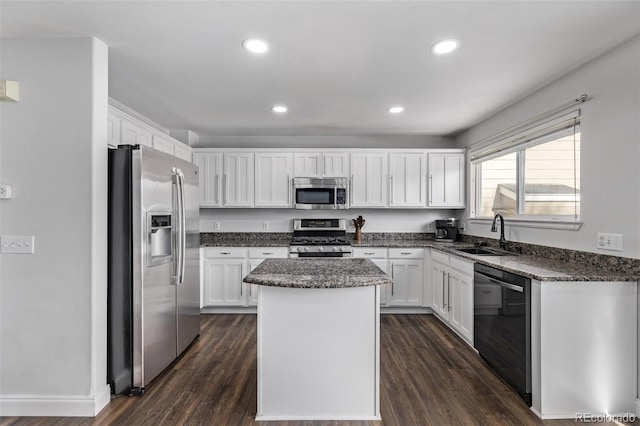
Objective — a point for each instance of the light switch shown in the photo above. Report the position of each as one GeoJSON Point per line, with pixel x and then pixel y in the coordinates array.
{"type": "Point", "coordinates": [5, 192]}
{"type": "Point", "coordinates": [17, 244]}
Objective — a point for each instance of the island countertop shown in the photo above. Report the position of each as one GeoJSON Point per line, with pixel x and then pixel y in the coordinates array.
{"type": "Point", "coordinates": [317, 273]}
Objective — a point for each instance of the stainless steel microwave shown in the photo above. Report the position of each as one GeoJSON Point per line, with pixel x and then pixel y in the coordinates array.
{"type": "Point", "coordinates": [321, 193]}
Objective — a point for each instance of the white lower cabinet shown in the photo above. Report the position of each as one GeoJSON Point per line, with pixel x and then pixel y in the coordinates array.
{"type": "Point", "coordinates": [406, 267]}
{"type": "Point", "coordinates": [379, 257]}
{"type": "Point", "coordinates": [452, 281]}
{"type": "Point", "coordinates": [407, 273]}
{"type": "Point", "coordinates": [223, 269]}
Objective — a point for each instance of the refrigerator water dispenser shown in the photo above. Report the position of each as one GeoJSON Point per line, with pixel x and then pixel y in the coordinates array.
{"type": "Point", "coordinates": [159, 240]}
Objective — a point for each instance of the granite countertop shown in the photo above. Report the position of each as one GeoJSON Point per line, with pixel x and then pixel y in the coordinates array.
{"type": "Point", "coordinates": [542, 266]}
{"type": "Point", "coordinates": [317, 273]}
{"type": "Point", "coordinates": [246, 243]}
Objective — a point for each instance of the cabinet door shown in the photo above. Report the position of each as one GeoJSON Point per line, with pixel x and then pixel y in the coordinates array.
{"type": "Point", "coordinates": [113, 131]}
{"type": "Point", "coordinates": [238, 185]}
{"type": "Point", "coordinates": [223, 282]}
{"type": "Point", "coordinates": [182, 151]}
{"type": "Point", "coordinates": [446, 180]}
{"type": "Point", "coordinates": [133, 135]}
{"type": "Point", "coordinates": [162, 144]}
{"type": "Point", "coordinates": [369, 180]}
{"type": "Point", "coordinates": [210, 171]}
{"type": "Point", "coordinates": [335, 164]}
{"type": "Point", "coordinates": [379, 257]}
{"type": "Point", "coordinates": [406, 289]}
{"type": "Point", "coordinates": [253, 288]}
{"type": "Point", "coordinates": [273, 180]}
{"type": "Point", "coordinates": [461, 300]}
{"type": "Point", "coordinates": [307, 164]}
{"type": "Point", "coordinates": [440, 289]}
{"type": "Point", "coordinates": [407, 180]}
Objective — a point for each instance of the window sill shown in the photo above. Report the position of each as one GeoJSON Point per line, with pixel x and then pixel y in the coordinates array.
{"type": "Point", "coordinates": [565, 225]}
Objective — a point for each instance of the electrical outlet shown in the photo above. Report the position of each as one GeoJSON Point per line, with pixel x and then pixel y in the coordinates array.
{"type": "Point", "coordinates": [216, 226]}
{"type": "Point", "coordinates": [609, 241]}
{"type": "Point", "coordinates": [17, 244]}
{"type": "Point", "coordinates": [265, 225]}
{"type": "Point", "coordinates": [5, 192]}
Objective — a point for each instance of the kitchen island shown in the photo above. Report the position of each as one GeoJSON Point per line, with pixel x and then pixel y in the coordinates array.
{"type": "Point", "coordinates": [318, 338]}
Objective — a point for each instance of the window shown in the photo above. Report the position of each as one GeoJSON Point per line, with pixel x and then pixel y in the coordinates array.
{"type": "Point", "coordinates": [532, 175]}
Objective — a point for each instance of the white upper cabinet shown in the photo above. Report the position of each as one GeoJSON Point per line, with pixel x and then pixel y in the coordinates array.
{"type": "Point", "coordinates": [369, 180]}
{"type": "Point", "coordinates": [162, 144]}
{"type": "Point", "coordinates": [335, 164]}
{"type": "Point", "coordinates": [316, 164]}
{"type": "Point", "coordinates": [210, 165]}
{"type": "Point", "coordinates": [182, 151]}
{"type": "Point", "coordinates": [273, 179]}
{"type": "Point", "coordinates": [113, 130]}
{"type": "Point", "coordinates": [134, 135]}
{"type": "Point", "coordinates": [123, 129]}
{"type": "Point", "coordinates": [446, 180]}
{"type": "Point", "coordinates": [407, 180]}
{"type": "Point", "coordinates": [238, 185]}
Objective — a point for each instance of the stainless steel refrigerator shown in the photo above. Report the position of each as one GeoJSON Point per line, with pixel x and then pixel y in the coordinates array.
{"type": "Point", "coordinates": [153, 309]}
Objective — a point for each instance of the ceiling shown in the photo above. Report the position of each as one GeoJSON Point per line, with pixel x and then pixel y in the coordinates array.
{"type": "Point", "coordinates": [337, 65]}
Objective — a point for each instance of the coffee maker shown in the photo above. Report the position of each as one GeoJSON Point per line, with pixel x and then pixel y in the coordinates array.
{"type": "Point", "coordinates": [446, 230]}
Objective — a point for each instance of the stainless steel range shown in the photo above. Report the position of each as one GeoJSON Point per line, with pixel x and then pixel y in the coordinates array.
{"type": "Point", "coordinates": [320, 238]}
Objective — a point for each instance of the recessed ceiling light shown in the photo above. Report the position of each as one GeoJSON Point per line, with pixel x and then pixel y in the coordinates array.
{"type": "Point", "coordinates": [396, 110]}
{"type": "Point", "coordinates": [255, 45]}
{"type": "Point", "coordinates": [444, 47]}
{"type": "Point", "coordinates": [280, 109]}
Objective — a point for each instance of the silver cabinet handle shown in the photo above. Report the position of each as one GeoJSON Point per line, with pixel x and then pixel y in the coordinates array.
{"type": "Point", "coordinates": [224, 189]}
{"type": "Point", "coordinates": [217, 189]}
{"type": "Point", "coordinates": [351, 191]}
{"type": "Point", "coordinates": [267, 254]}
{"type": "Point", "coordinates": [430, 189]}
{"type": "Point", "coordinates": [449, 291]}
{"type": "Point", "coordinates": [392, 279]}
{"type": "Point", "coordinates": [225, 252]}
{"type": "Point", "coordinates": [404, 253]}
{"type": "Point", "coordinates": [444, 305]}
{"type": "Point", "coordinates": [289, 184]}
{"type": "Point", "coordinates": [369, 254]}
{"type": "Point", "coordinates": [391, 185]}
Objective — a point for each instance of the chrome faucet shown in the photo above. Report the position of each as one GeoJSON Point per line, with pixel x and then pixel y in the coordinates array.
{"type": "Point", "coordinates": [503, 242]}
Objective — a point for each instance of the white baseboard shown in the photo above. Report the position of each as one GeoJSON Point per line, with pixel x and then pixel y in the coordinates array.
{"type": "Point", "coordinates": [55, 406]}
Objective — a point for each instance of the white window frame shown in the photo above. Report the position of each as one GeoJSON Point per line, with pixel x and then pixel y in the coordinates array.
{"type": "Point", "coordinates": [515, 142]}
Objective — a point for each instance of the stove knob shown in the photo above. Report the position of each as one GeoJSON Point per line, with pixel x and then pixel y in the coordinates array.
{"type": "Point", "coordinates": [336, 249]}
{"type": "Point", "coordinates": [300, 249]}
{"type": "Point", "coordinates": [307, 249]}
{"type": "Point", "coordinates": [320, 248]}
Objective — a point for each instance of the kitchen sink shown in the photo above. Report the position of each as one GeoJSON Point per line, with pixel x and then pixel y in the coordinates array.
{"type": "Point", "coordinates": [478, 251]}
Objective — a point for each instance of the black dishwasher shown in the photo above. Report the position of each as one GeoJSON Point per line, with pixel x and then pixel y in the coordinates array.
{"type": "Point", "coordinates": [502, 325]}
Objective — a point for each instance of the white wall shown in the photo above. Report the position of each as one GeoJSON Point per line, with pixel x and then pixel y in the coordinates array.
{"type": "Point", "coordinates": [610, 150]}
{"type": "Point", "coordinates": [281, 220]}
{"type": "Point", "coordinates": [53, 302]}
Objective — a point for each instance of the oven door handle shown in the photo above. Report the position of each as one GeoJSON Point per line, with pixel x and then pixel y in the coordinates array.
{"type": "Point", "coordinates": [502, 283]}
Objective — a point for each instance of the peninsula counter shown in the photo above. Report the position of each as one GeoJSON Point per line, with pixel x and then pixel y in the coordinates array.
{"type": "Point", "coordinates": [318, 338]}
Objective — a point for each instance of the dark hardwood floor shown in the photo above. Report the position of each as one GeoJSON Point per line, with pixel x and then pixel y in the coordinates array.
{"type": "Point", "coordinates": [428, 377]}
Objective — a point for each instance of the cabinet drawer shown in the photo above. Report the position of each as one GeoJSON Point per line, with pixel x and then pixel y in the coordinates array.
{"type": "Point", "coordinates": [268, 252]}
{"type": "Point", "coordinates": [370, 252]}
{"type": "Point", "coordinates": [487, 295]}
{"type": "Point", "coordinates": [462, 265]}
{"type": "Point", "coordinates": [225, 252]}
{"type": "Point", "coordinates": [438, 256]}
{"type": "Point", "coordinates": [409, 253]}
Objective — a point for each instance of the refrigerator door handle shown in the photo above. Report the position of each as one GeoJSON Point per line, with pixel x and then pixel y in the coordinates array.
{"type": "Point", "coordinates": [181, 229]}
